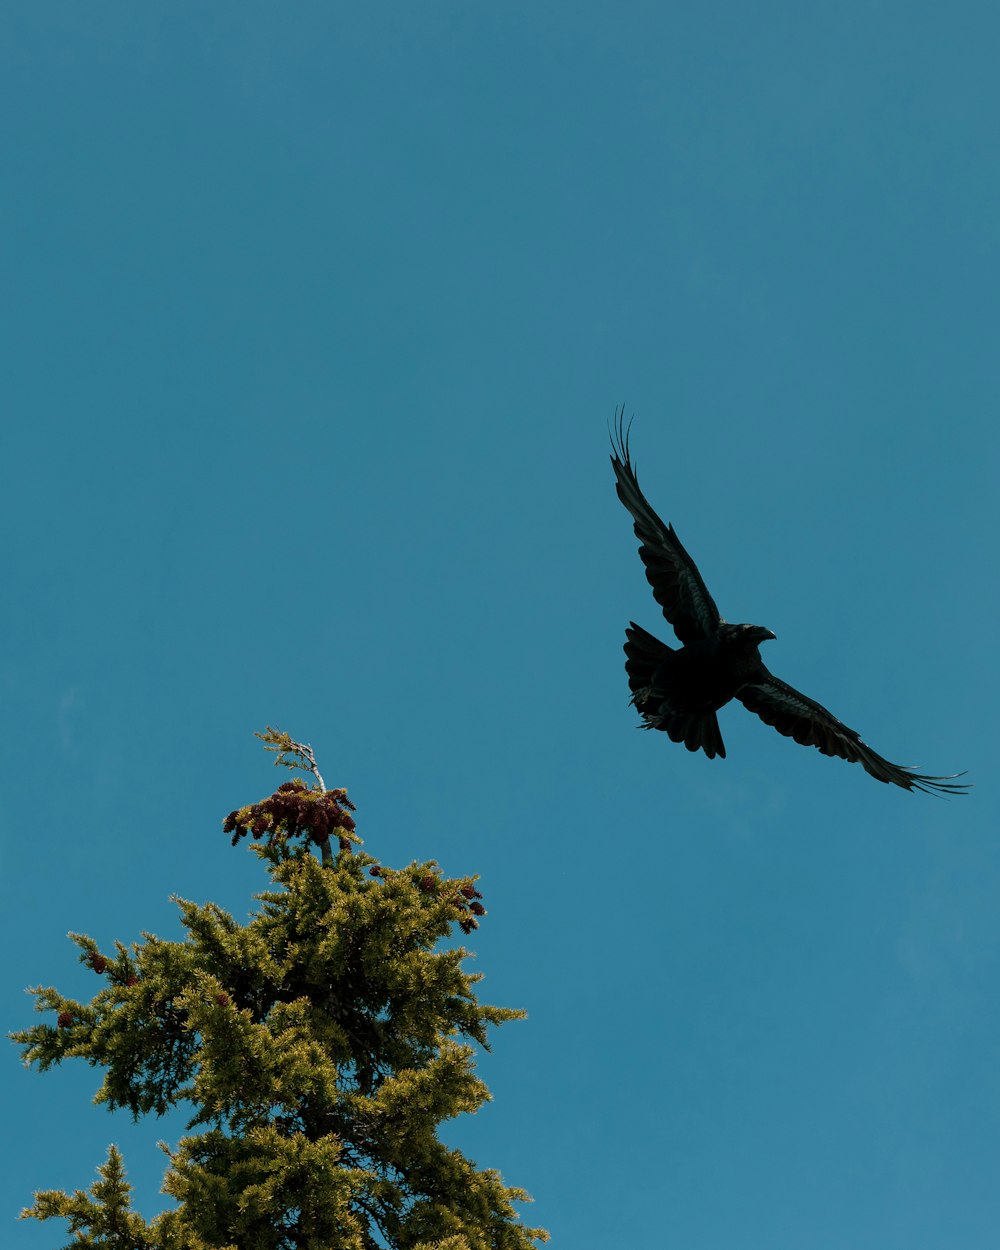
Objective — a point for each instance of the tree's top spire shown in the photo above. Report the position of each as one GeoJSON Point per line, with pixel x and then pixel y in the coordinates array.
{"type": "Point", "coordinates": [284, 745]}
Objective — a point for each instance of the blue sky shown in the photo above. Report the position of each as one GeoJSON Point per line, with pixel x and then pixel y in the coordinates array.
{"type": "Point", "coordinates": [315, 318]}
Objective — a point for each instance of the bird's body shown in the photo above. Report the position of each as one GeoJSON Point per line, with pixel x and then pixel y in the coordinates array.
{"type": "Point", "coordinates": [678, 691]}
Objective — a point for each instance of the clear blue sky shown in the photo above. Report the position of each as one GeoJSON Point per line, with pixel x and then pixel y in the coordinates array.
{"type": "Point", "coordinates": [315, 319]}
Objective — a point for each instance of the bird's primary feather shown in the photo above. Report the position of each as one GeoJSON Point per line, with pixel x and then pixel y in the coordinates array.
{"type": "Point", "coordinates": [808, 722]}
{"type": "Point", "coordinates": [677, 585]}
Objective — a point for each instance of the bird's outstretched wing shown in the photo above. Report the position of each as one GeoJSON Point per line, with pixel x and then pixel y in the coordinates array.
{"type": "Point", "coordinates": [799, 717]}
{"type": "Point", "coordinates": [673, 575]}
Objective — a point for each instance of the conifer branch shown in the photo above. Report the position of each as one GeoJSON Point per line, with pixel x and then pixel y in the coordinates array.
{"type": "Point", "coordinates": [283, 745]}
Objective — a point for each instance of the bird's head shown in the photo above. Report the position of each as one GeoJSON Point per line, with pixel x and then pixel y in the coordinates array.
{"type": "Point", "coordinates": [755, 634]}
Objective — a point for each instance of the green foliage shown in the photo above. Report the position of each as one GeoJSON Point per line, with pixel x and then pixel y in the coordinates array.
{"type": "Point", "coordinates": [318, 1046]}
{"type": "Point", "coordinates": [100, 1216]}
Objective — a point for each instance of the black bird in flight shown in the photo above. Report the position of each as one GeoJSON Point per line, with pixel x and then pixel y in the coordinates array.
{"type": "Point", "coordinates": [679, 691]}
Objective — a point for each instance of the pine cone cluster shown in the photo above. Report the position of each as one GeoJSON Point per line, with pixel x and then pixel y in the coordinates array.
{"type": "Point", "coordinates": [464, 900]}
{"type": "Point", "coordinates": [294, 809]}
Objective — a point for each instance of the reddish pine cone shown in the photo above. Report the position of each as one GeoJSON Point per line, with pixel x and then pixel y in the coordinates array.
{"type": "Point", "coordinates": [428, 883]}
{"type": "Point", "coordinates": [66, 1019]}
{"type": "Point", "coordinates": [477, 908]}
{"type": "Point", "coordinates": [222, 1000]}
{"type": "Point", "coordinates": [132, 981]}
{"type": "Point", "coordinates": [98, 963]}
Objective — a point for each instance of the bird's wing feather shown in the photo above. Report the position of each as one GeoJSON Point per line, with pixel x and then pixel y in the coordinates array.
{"type": "Point", "coordinates": [673, 575]}
{"type": "Point", "coordinates": [799, 717]}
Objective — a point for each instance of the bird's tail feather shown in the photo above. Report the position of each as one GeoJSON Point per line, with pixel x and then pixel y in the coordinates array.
{"type": "Point", "coordinates": [647, 662]}
{"type": "Point", "coordinates": [696, 732]}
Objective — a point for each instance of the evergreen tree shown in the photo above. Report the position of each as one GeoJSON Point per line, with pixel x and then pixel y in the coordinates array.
{"type": "Point", "coordinates": [320, 1045]}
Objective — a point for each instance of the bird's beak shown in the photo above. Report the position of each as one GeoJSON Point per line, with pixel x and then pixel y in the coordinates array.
{"type": "Point", "coordinates": [767, 636]}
